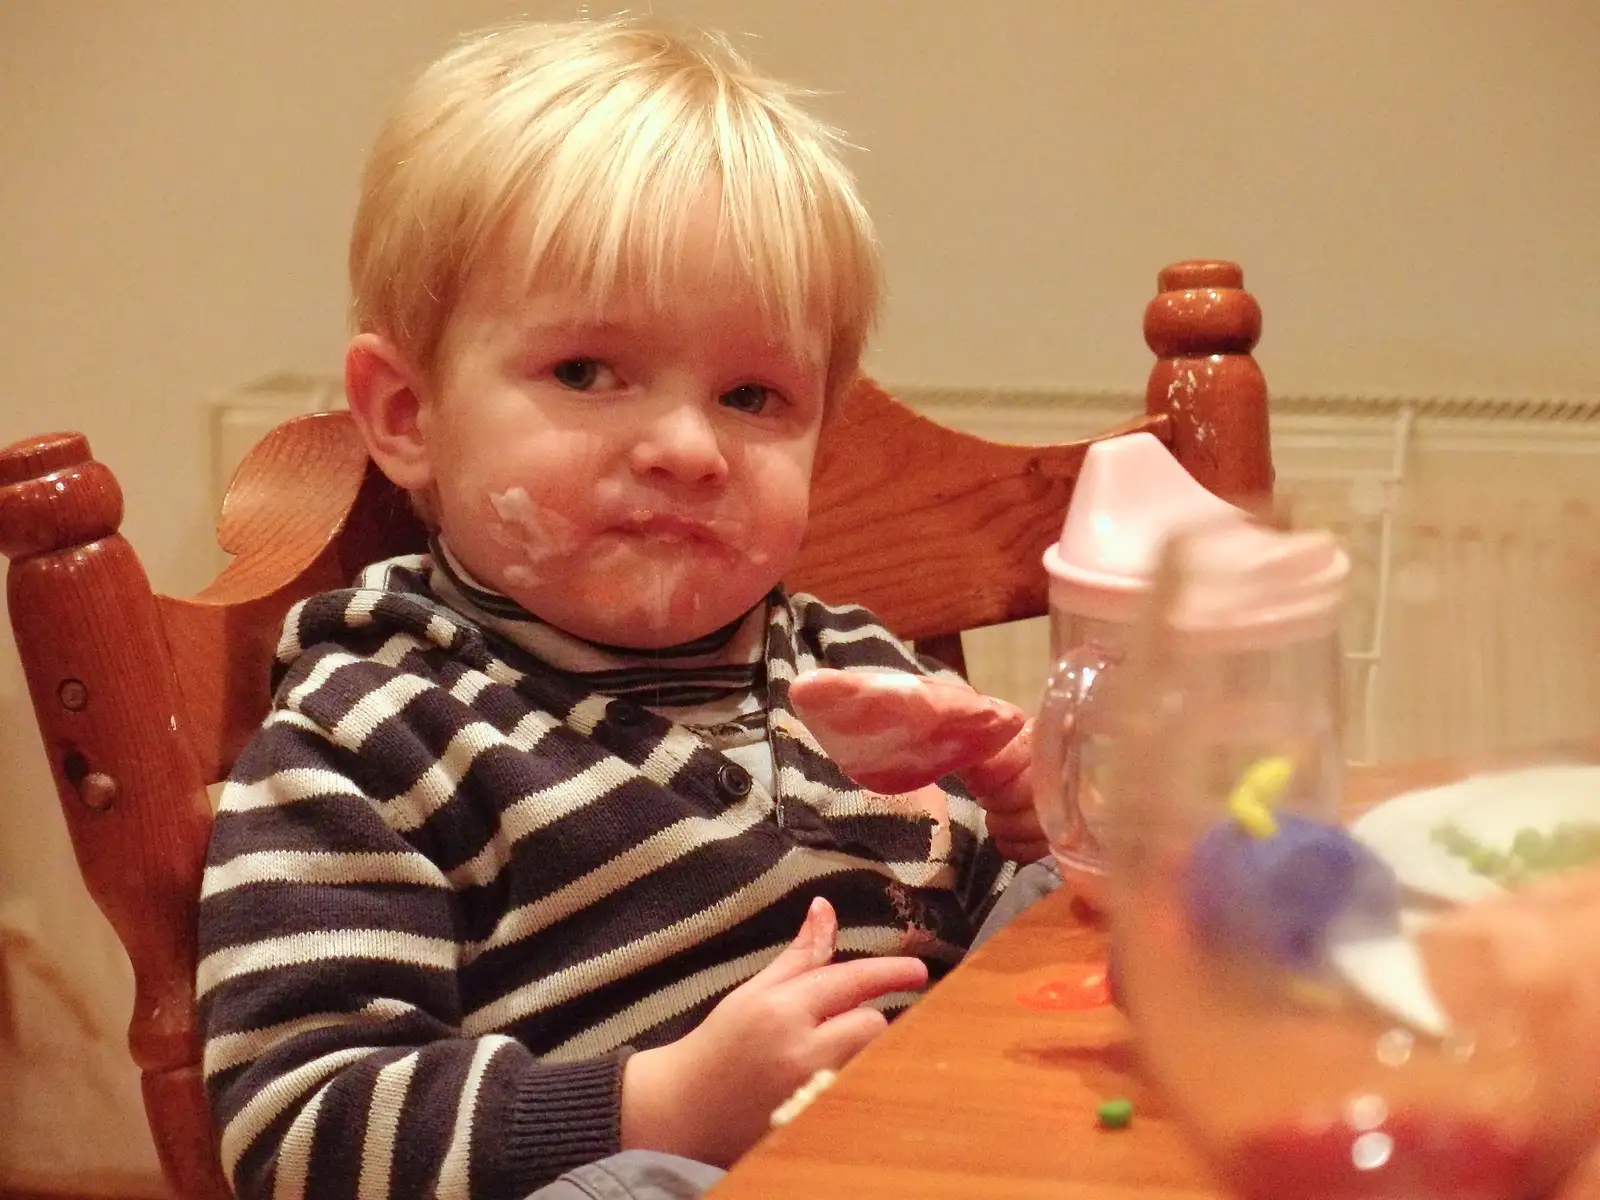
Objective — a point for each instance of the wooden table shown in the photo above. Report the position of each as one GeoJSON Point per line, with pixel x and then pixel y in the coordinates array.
{"type": "Point", "coordinates": [974, 1095]}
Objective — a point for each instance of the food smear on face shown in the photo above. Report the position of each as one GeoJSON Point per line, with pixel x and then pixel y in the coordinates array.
{"type": "Point", "coordinates": [643, 578]}
{"type": "Point", "coordinates": [535, 531]}
{"type": "Point", "coordinates": [645, 567]}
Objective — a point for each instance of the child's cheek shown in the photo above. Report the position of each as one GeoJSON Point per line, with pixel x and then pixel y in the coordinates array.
{"type": "Point", "coordinates": [776, 544]}
{"type": "Point", "coordinates": [781, 510]}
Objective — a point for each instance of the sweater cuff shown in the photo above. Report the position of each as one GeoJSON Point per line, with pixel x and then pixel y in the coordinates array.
{"type": "Point", "coordinates": [566, 1114]}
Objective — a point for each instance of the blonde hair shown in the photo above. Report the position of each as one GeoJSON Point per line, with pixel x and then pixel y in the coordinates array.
{"type": "Point", "coordinates": [582, 147]}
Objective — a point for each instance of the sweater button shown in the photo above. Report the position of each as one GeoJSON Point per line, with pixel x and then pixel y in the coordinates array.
{"type": "Point", "coordinates": [624, 713]}
{"type": "Point", "coordinates": [733, 781]}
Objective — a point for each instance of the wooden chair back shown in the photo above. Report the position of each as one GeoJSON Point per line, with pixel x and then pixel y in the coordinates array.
{"type": "Point", "coordinates": [143, 700]}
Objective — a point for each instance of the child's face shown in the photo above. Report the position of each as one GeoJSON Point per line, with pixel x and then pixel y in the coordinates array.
{"type": "Point", "coordinates": [639, 479]}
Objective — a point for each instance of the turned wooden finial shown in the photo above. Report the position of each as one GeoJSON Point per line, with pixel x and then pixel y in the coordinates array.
{"type": "Point", "coordinates": [54, 495]}
{"type": "Point", "coordinates": [1203, 325]}
{"type": "Point", "coordinates": [114, 729]}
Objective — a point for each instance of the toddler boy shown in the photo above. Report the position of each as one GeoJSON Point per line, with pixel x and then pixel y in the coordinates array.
{"type": "Point", "coordinates": [509, 881]}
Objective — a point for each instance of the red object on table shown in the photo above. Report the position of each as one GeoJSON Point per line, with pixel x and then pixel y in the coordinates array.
{"type": "Point", "coordinates": [1076, 991]}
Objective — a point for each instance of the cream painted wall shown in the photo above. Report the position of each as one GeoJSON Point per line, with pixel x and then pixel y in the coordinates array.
{"type": "Point", "coordinates": [1413, 188]}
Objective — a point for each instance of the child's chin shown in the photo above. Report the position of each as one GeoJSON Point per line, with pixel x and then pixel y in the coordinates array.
{"type": "Point", "coordinates": [655, 632]}
{"type": "Point", "coordinates": [644, 618]}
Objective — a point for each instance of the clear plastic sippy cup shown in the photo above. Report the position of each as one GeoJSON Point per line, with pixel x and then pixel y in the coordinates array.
{"type": "Point", "coordinates": [1131, 494]}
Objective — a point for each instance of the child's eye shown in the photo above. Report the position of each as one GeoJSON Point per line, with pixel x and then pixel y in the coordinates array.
{"type": "Point", "coordinates": [747, 398]}
{"type": "Point", "coordinates": [583, 374]}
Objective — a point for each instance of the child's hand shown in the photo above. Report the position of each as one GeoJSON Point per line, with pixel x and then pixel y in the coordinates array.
{"type": "Point", "coordinates": [1003, 784]}
{"type": "Point", "coordinates": [708, 1095]}
{"type": "Point", "coordinates": [894, 732]}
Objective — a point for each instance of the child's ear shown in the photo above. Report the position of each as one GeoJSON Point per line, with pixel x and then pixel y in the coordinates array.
{"type": "Point", "coordinates": [385, 399]}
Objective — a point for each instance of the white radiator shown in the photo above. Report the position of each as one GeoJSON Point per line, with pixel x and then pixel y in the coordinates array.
{"type": "Point", "coordinates": [1399, 479]}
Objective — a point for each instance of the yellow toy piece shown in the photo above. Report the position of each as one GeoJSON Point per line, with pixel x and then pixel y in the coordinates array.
{"type": "Point", "coordinates": [1256, 795]}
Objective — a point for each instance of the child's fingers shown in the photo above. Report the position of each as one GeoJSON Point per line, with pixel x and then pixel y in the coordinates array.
{"type": "Point", "coordinates": [829, 991]}
{"type": "Point", "coordinates": [1013, 825]}
{"type": "Point", "coordinates": [824, 923]}
{"type": "Point", "coordinates": [1022, 850]}
{"type": "Point", "coordinates": [1005, 774]}
{"type": "Point", "coordinates": [812, 947]}
{"type": "Point", "coordinates": [1012, 801]}
{"type": "Point", "coordinates": [838, 1039]}
{"type": "Point", "coordinates": [1023, 847]}
{"type": "Point", "coordinates": [1014, 829]}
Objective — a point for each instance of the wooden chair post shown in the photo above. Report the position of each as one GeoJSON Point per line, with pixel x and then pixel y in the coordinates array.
{"type": "Point", "coordinates": [112, 719]}
{"type": "Point", "coordinates": [1203, 325]}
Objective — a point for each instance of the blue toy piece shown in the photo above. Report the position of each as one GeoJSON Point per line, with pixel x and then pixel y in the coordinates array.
{"type": "Point", "coordinates": [1282, 897]}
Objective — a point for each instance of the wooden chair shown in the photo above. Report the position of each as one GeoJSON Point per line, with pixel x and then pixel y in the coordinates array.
{"type": "Point", "coordinates": [144, 700]}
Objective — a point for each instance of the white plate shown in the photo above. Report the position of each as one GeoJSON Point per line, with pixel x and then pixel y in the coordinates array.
{"type": "Point", "coordinates": [1388, 970]}
{"type": "Point", "coordinates": [1490, 809]}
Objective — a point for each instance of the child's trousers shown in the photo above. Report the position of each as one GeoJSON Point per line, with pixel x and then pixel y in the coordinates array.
{"type": "Point", "coordinates": [633, 1175]}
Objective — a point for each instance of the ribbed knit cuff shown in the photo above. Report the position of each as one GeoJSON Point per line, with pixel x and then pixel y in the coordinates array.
{"type": "Point", "coordinates": [566, 1114]}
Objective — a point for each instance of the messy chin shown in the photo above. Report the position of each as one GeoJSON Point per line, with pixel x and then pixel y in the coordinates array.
{"type": "Point", "coordinates": [651, 605]}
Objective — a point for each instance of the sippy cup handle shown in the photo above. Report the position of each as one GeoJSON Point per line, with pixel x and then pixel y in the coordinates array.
{"type": "Point", "coordinates": [1057, 749]}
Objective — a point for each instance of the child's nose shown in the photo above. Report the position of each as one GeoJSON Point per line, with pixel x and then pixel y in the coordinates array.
{"type": "Point", "coordinates": [681, 443]}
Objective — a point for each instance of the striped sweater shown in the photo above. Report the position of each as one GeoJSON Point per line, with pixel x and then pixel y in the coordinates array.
{"type": "Point", "coordinates": [449, 890]}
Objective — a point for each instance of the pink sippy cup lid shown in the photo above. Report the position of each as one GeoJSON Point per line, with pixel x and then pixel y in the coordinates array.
{"type": "Point", "coordinates": [1245, 582]}
{"type": "Point", "coordinates": [1130, 495]}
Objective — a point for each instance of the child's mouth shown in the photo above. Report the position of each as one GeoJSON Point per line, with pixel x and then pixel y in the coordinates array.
{"type": "Point", "coordinates": [666, 527]}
